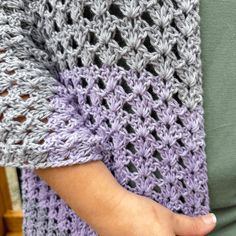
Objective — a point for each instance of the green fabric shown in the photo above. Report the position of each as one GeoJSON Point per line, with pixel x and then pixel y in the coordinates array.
{"type": "Point", "coordinates": [218, 40]}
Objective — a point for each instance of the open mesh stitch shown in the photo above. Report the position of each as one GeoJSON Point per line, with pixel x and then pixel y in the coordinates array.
{"type": "Point", "coordinates": [116, 80]}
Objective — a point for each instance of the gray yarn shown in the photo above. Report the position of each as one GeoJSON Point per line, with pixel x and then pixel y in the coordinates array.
{"type": "Point", "coordinates": [22, 73]}
{"type": "Point", "coordinates": [104, 35]}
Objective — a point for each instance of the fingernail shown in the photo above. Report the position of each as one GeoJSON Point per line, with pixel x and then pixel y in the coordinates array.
{"type": "Point", "coordinates": [210, 219]}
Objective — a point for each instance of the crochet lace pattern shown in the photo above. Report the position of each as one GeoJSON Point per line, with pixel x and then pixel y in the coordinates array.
{"type": "Point", "coordinates": [118, 81]}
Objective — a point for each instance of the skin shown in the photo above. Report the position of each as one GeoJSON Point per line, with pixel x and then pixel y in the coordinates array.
{"type": "Point", "coordinates": [111, 210]}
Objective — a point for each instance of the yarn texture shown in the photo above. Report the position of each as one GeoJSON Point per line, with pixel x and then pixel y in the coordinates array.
{"type": "Point", "coordinates": [116, 80]}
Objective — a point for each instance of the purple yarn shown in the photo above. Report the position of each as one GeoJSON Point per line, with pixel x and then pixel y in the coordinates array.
{"type": "Point", "coordinates": [151, 142]}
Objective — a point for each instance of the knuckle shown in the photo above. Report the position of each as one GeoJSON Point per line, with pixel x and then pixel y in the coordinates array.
{"type": "Point", "coordinates": [174, 219]}
{"type": "Point", "coordinates": [195, 227]}
{"type": "Point", "coordinates": [155, 213]}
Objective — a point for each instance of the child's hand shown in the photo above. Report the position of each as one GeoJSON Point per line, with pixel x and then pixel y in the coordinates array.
{"type": "Point", "coordinates": [137, 215]}
{"type": "Point", "coordinates": [96, 196]}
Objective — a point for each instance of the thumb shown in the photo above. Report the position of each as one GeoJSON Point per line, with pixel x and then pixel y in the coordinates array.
{"type": "Point", "coordinates": [189, 226]}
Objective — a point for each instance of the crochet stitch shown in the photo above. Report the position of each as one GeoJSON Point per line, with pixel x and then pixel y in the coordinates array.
{"type": "Point", "coordinates": [118, 81]}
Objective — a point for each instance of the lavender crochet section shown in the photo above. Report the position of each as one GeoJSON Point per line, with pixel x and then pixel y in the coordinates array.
{"type": "Point", "coordinates": [150, 141]}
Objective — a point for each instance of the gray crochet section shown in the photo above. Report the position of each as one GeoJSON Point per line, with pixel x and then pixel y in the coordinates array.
{"type": "Point", "coordinates": [25, 88]}
{"type": "Point", "coordinates": [160, 36]}
{"type": "Point", "coordinates": [39, 38]}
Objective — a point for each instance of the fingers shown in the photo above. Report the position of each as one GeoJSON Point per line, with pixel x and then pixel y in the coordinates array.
{"type": "Point", "coordinates": [193, 226]}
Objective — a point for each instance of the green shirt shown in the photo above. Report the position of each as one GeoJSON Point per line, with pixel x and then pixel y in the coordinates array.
{"type": "Point", "coordinates": [218, 38]}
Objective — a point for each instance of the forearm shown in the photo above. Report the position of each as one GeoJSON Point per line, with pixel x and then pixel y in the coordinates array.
{"type": "Point", "coordinates": [89, 189]}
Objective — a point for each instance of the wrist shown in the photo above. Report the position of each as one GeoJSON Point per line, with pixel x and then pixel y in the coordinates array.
{"type": "Point", "coordinates": [112, 217]}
